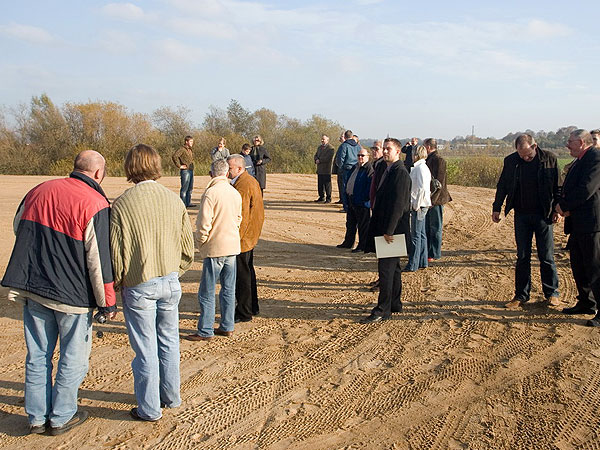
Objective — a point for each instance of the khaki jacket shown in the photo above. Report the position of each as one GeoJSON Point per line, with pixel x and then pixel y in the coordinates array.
{"type": "Point", "coordinates": [218, 221]}
{"type": "Point", "coordinates": [183, 155]}
{"type": "Point", "coordinates": [253, 212]}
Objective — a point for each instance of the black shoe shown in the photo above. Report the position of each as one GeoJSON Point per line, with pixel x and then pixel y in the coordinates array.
{"type": "Point", "coordinates": [328, 200]}
{"type": "Point", "coordinates": [191, 205]}
{"type": "Point", "coordinates": [319, 200]}
{"type": "Point", "coordinates": [134, 413]}
{"type": "Point", "coordinates": [397, 310]}
{"type": "Point", "coordinates": [373, 318]}
{"type": "Point", "coordinates": [343, 211]}
{"type": "Point", "coordinates": [239, 319]}
{"type": "Point", "coordinates": [339, 202]}
{"type": "Point", "coordinates": [356, 250]}
{"type": "Point", "coordinates": [343, 245]}
{"type": "Point", "coordinates": [595, 322]}
{"type": "Point", "coordinates": [77, 419]}
{"type": "Point", "coordinates": [579, 309]}
{"type": "Point", "coordinates": [38, 429]}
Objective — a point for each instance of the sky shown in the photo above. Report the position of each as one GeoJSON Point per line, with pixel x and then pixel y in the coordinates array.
{"type": "Point", "coordinates": [377, 67]}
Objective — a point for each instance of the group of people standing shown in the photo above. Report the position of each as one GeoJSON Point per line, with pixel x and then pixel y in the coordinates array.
{"type": "Point", "coordinates": [256, 157]}
{"type": "Point", "coordinates": [361, 170]}
{"type": "Point", "coordinates": [73, 251]}
{"type": "Point", "coordinates": [532, 184]}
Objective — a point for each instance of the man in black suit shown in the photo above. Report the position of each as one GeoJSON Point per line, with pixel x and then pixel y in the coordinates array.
{"type": "Point", "coordinates": [580, 205]}
{"type": "Point", "coordinates": [391, 215]}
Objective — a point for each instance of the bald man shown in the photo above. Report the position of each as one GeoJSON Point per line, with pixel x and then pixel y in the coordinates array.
{"type": "Point", "coordinates": [60, 270]}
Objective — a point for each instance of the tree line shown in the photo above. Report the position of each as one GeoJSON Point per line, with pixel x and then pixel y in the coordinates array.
{"type": "Point", "coordinates": [42, 138]}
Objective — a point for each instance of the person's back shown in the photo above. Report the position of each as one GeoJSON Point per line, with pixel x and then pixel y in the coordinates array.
{"type": "Point", "coordinates": [153, 218]}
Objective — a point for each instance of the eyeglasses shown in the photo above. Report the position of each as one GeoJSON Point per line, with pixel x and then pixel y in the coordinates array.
{"type": "Point", "coordinates": [362, 156]}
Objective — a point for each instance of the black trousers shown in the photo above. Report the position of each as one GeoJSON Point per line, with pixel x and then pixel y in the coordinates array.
{"type": "Point", "coordinates": [390, 287]}
{"type": "Point", "coordinates": [324, 186]}
{"type": "Point", "coordinates": [584, 250]}
{"type": "Point", "coordinates": [246, 293]}
{"type": "Point", "coordinates": [340, 183]}
{"type": "Point", "coordinates": [357, 218]}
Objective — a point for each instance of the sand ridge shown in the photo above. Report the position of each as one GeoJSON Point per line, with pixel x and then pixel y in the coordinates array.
{"type": "Point", "coordinates": [455, 370]}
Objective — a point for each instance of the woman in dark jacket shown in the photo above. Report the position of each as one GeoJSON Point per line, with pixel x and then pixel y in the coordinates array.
{"type": "Point", "coordinates": [260, 157]}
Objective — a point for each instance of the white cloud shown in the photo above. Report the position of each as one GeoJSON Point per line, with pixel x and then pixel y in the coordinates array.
{"type": "Point", "coordinates": [119, 42]}
{"type": "Point", "coordinates": [34, 35]}
{"type": "Point", "coordinates": [176, 51]}
{"type": "Point", "coordinates": [541, 29]}
{"type": "Point", "coordinates": [199, 27]}
{"type": "Point", "coordinates": [125, 11]}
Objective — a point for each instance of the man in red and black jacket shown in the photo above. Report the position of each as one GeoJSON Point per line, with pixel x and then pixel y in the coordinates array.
{"type": "Point", "coordinates": [60, 269]}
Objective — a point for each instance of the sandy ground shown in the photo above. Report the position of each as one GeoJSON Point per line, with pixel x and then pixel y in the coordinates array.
{"type": "Point", "coordinates": [455, 370]}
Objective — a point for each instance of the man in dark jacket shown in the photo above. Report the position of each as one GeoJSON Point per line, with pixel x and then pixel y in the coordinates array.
{"type": "Point", "coordinates": [407, 149]}
{"type": "Point", "coordinates": [391, 215]}
{"type": "Point", "coordinates": [580, 205]}
{"type": "Point", "coordinates": [529, 183]}
{"type": "Point", "coordinates": [359, 210]}
{"type": "Point", "coordinates": [183, 158]}
{"type": "Point", "coordinates": [324, 160]}
{"type": "Point", "coordinates": [346, 158]}
{"type": "Point", "coordinates": [60, 269]}
{"type": "Point", "coordinates": [434, 220]}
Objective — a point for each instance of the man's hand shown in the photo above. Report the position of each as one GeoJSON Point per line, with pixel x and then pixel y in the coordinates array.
{"type": "Point", "coordinates": [559, 210]}
{"type": "Point", "coordinates": [317, 161]}
{"type": "Point", "coordinates": [496, 216]}
{"type": "Point", "coordinates": [183, 167]}
{"type": "Point", "coordinates": [388, 238]}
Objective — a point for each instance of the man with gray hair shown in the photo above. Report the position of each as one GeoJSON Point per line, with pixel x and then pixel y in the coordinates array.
{"type": "Point", "coordinates": [218, 241]}
{"type": "Point", "coordinates": [253, 216]}
{"type": "Point", "coordinates": [579, 203]}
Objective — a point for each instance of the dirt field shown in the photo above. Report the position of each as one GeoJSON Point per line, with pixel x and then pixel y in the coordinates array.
{"type": "Point", "coordinates": [455, 370]}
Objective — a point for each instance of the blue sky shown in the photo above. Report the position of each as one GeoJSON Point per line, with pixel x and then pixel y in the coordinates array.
{"type": "Point", "coordinates": [429, 68]}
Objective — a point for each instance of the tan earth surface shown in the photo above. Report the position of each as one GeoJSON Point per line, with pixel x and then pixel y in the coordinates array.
{"type": "Point", "coordinates": [455, 370]}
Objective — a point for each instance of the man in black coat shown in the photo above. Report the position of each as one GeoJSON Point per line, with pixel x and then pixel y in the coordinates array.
{"type": "Point", "coordinates": [529, 183]}
{"type": "Point", "coordinates": [391, 215]}
{"type": "Point", "coordinates": [580, 205]}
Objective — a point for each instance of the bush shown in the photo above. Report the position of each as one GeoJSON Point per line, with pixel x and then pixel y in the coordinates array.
{"type": "Point", "coordinates": [479, 171]}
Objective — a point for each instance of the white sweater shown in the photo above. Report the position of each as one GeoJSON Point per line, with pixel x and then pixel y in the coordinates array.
{"type": "Point", "coordinates": [420, 193]}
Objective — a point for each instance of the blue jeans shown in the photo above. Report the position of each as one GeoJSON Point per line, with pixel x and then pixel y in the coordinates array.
{"type": "Point", "coordinates": [224, 269]}
{"type": "Point", "coordinates": [152, 319]}
{"type": "Point", "coordinates": [526, 225]}
{"type": "Point", "coordinates": [433, 225]}
{"type": "Point", "coordinates": [44, 401]}
{"type": "Point", "coordinates": [418, 253]}
{"type": "Point", "coordinates": [187, 185]}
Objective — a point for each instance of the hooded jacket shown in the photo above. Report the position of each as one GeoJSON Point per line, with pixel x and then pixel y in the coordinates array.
{"type": "Point", "coordinates": [346, 156]}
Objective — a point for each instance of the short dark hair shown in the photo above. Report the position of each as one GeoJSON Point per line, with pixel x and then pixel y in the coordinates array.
{"type": "Point", "coordinates": [245, 146]}
{"type": "Point", "coordinates": [394, 141]}
{"type": "Point", "coordinates": [348, 134]}
{"type": "Point", "coordinates": [187, 138]}
{"type": "Point", "coordinates": [523, 139]}
{"type": "Point", "coordinates": [430, 143]}
{"type": "Point", "coordinates": [142, 163]}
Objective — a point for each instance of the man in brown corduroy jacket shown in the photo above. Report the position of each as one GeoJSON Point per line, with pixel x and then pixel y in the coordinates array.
{"type": "Point", "coordinates": [253, 216]}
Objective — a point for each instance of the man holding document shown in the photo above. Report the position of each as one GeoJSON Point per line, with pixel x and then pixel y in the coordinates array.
{"type": "Point", "coordinates": [390, 218]}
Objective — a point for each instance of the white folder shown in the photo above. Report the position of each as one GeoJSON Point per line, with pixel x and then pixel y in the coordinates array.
{"type": "Point", "coordinates": [396, 248]}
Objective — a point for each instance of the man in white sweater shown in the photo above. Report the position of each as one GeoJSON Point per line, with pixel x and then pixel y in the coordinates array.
{"type": "Point", "coordinates": [218, 241]}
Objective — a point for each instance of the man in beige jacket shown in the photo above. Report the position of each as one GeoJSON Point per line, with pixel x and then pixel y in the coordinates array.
{"type": "Point", "coordinates": [253, 216]}
{"type": "Point", "coordinates": [218, 241]}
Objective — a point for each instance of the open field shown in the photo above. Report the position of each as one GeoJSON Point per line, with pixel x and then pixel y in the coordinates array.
{"type": "Point", "coordinates": [455, 370]}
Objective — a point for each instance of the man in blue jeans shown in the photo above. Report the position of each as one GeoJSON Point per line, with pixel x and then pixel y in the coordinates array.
{"type": "Point", "coordinates": [183, 158]}
{"type": "Point", "coordinates": [60, 269]}
{"type": "Point", "coordinates": [218, 242]}
{"type": "Point", "coordinates": [529, 183]}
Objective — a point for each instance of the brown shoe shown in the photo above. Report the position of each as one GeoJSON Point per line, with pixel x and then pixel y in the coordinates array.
{"type": "Point", "coordinates": [515, 303]}
{"type": "Point", "coordinates": [220, 332]}
{"type": "Point", "coordinates": [197, 337]}
{"type": "Point", "coordinates": [553, 301]}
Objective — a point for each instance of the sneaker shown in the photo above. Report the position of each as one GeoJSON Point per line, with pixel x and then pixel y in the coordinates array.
{"type": "Point", "coordinates": [553, 301]}
{"type": "Point", "coordinates": [38, 429]}
{"type": "Point", "coordinates": [133, 412]}
{"type": "Point", "coordinates": [77, 419]}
